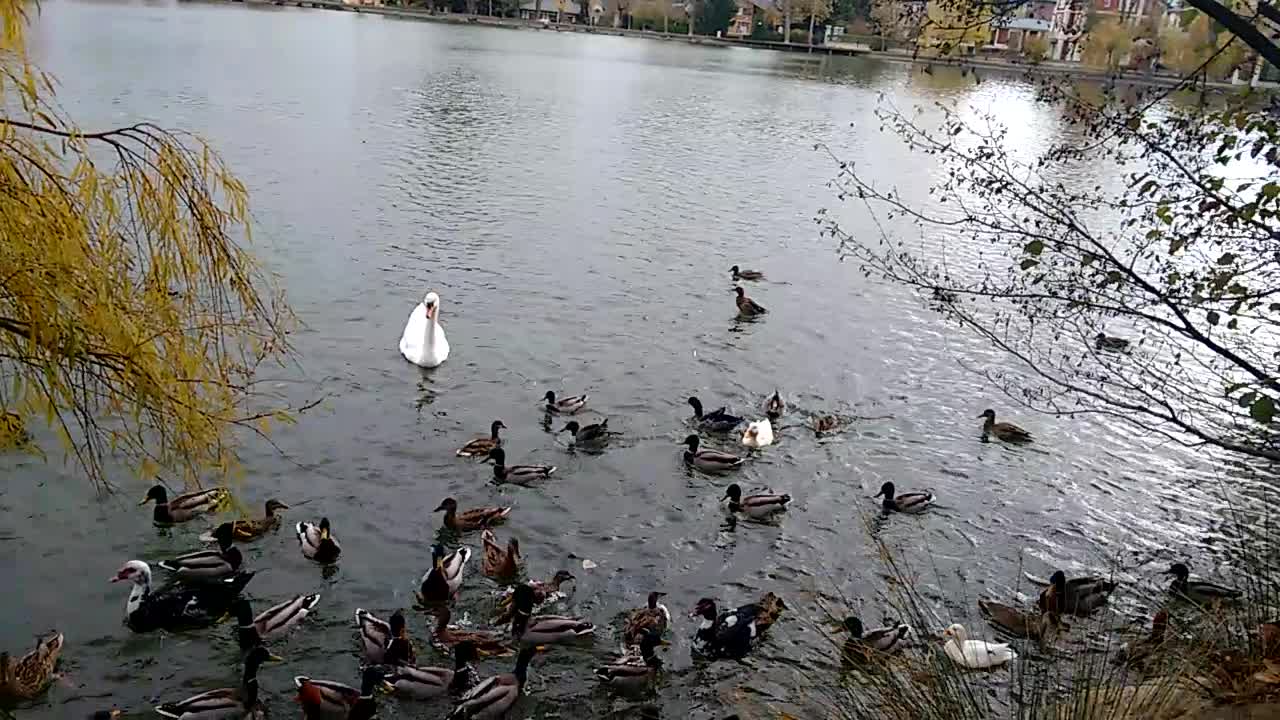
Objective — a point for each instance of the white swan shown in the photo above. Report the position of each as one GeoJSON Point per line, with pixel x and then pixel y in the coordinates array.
{"type": "Point", "coordinates": [758, 434]}
{"type": "Point", "coordinates": [423, 342]}
{"type": "Point", "coordinates": [975, 653]}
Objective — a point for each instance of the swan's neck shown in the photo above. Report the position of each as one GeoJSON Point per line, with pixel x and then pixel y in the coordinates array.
{"type": "Point", "coordinates": [429, 338]}
{"type": "Point", "coordinates": [137, 595]}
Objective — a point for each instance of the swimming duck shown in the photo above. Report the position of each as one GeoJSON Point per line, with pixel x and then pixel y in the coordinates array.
{"type": "Point", "coordinates": [495, 695]}
{"type": "Point", "coordinates": [247, 529]}
{"type": "Point", "coordinates": [1199, 591]}
{"type": "Point", "coordinates": [529, 629]}
{"type": "Point", "coordinates": [709, 460]}
{"type": "Point", "coordinates": [486, 643]}
{"type": "Point", "coordinates": [730, 634]}
{"type": "Point", "coordinates": [756, 506]}
{"type": "Point", "coordinates": [746, 306]}
{"type": "Point", "coordinates": [423, 342]}
{"type": "Point", "coordinates": [654, 616]}
{"type": "Point", "coordinates": [29, 675]}
{"type": "Point", "coordinates": [634, 672]}
{"type": "Point", "coordinates": [774, 407]}
{"type": "Point", "coordinates": [758, 434]}
{"type": "Point", "coordinates": [1007, 432]}
{"type": "Point", "coordinates": [239, 702]}
{"type": "Point", "coordinates": [862, 644]}
{"type": "Point", "coordinates": [317, 542]}
{"type": "Point", "coordinates": [475, 518]}
{"type": "Point", "coordinates": [822, 424]}
{"type": "Point", "coordinates": [746, 274]}
{"type": "Point", "coordinates": [440, 584]}
{"type": "Point", "coordinates": [515, 474]}
{"type": "Point", "coordinates": [207, 565]}
{"type": "Point", "coordinates": [771, 607]}
{"type": "Point", "coordinates": [375, 635]}
{"type": "Point", "coordinates": [327, 699]}
{"type": "Point", "coordinates": [976, 654]}
{"type": "Point", "coordinates": [176, 607]}
{"type": "Point", "coordinates": [1102, 341]}
{"type": "Point", "coordinates": [1136, 654]}
{"type": "Point", "coordinates": [272, 622]}
{"type": "Point", "coordinates": [187, 506]}
{"type": "Point", "coordinates": [1077, 596]}
{"type": "Point", "coordinates": [565, 405]}
{"type": "Point", "coordinates": [717, 421]}
{"type": "Point", "coordinates": [594, 434]}
{"type": "Point", "coordinates": [425, 683]}
{"type": "Point", "coordinates": [399, 650]}
{"type": "Point", "coordinates": [911, 502]}
{"type": "Point", "coordinates": [500, 563]}
{"type": "Point", "coordinates": [481, 446]}
{"type": "Point", "coordinates": [112, 714]}
{"type": "Point", "coordinates": [1012, 621]}
{"type": "Point", "coordinates": [541, 592]}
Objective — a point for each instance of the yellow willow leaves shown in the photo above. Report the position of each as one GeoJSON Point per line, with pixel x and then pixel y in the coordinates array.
{"type": "Point", "coordinates": [132, 320]}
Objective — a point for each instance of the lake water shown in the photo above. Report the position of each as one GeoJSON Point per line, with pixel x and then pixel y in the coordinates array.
{"type": "Point", "coordinates": [577, 202]}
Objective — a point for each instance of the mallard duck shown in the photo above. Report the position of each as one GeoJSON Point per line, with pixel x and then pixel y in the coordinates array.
{"type": "Point", "coordinates": [317, 542]}
{"type": "Point", "coordinates": [634, 672]}
{"type": "Point", "coordinates": [187, 506]}
{"type": "Point", "coordinates": [29, 675]}
{"type": "Point", "coordinates": [529, 629]}
{"type": "Point", "coordinates": [746, 274]}
{"type": "Point", "coordinates": [440, 584]}
{"type": "Point", "coordinates": [757, 506]}
{"type": "Point", "coordinates": [495, 695]}
{"type": "Point", "coordinates": [977, 654]}
{"type": "Point", "coordinates": [475, 518]}
{"type": "Point", "coordinates": [425, 683]}
{"type": "Point", "coordinates": [325, 699]}
{"type": "Point", "coordinates": [541, 592]}
{"type": "Point", "coordinates": [1136, 653]}
{"type": "Point", "coordinates": [272, 622]}
{"type": "Point", "coordinates": [1077, 596]}
{"type": "Point", "coordinates": [247, 529]}
{"type": "Point", "coordinates": [1199, 591]}
{"type": "Point", "coordinates": [375, 635]}
{"type": "Point", "coordinates": [565, 405]}
{"type": "Point", "coordinates": [746, 306]}
{"type": "Point", "coordinates": [1012, 621]}
{"type": "Point", "coordinates": [1007, 432]}
{"type": "Point", "coordinates": [730, 634]}
{"type": "Point", "coordinates": [717, 421]}
{"type": "Point", "coordinates": [515, 474]}
{"type": "Point", "coordinates": [653, 616]}
{"type": "Point", "coordinates": [481, 446]}
{"type": "Point", "coordinates": [593, 434]}
{"type": "Point", "coordinates": [774, 407]}
{"type": "Point", "coordinates": [911, 502]}
{"type": "Point", "coordinates": [862, 644]}
{"type": "Point", "coordinates": [207, 565]}
{"type": "Point", "coordinates": [1102, 341]}
{"type": "Point", "coordinates": [823, 424]}
{"type": "Point", "coordinates": [176, 607]}
{"type": "Point", "coordinates": [758, 434]}
{"type": "Point", "coordinates": [771, 607]}
{"type": "Point", "coordinates": [498, 562]}
{"type": "Point", "coordinates": [709, 460]}
{"type": "Point", "coordinates": [239, 702]}
{"type": "Point", "coordinates": [486, 643]}
{"type": "Point", "coordinates": [399, 650]}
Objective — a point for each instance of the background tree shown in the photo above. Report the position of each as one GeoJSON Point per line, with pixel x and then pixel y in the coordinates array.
{"type": "Point", "coordinates": [1036, 48]}
{"type": "Point", "coordinates": [1107, 44]}
{"type": "Point", "coordinates": [714, 16]}
{"type": "Point", "coordinates": [132, 320]}
{"type": "Point", "coordinates": [818, 11]}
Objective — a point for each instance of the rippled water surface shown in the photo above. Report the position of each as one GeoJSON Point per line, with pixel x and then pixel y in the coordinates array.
{"type": "Point", "coordinates": [577, 202]}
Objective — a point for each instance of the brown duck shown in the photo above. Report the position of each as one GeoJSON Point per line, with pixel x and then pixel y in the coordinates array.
{"type": "Point", "coordinates": [746, 306]}
{"type": "Point", "coordinates": [541, 591]}
{"type": "Point", "coordinates": [30, 675]}
{"type": "Point", "coordinates": [246, 529]}
{"type": "Point", "coordinates": [1012, 620]}
{"type": "Point", "coordinates": [500, 564]}
{"type": "Point", "coordinates": [473, 519]}
{"type": "Point", "coordinates": [486, 643]}
{"type": "Point", "coordinates": [654, 617]}
{"type": "Point", "coordinates": [1007, 432]}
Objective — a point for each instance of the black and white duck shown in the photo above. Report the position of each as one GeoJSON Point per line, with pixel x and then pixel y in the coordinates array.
{"type": "Point", "coordinates": [565, 405]}
{"type": "Point", "coordinates": [592, 434]}
{"type": "Point", "coordinates": [208, 565]}
{"type": "Point", "coordinates": [529, 629]}
{"type": "Point", "coordinates": [1007, 432]}
{"type": "Point", "coordinates": [652, 617]}
{"type": "Point", "coordinates": [317, 542]}
{"type": "Point", "coordinates": [27, 677]}
{"type": "Point", "coordinates": [426, 683]}
{"type": "Point", "coordinates": [440, 584]}
{"type": "Point", "coordinates": [238, 702]}
{"type": "Point", "coordinates": [176, 607]}
{"type": "Point", "coordinates": [481, 446]}
{"type": "Point", "coordinates": [271, 623]}
{"type": "Point", "coordinates": [1199, 591]}
{"type": "Point", "coordinates": [1103, 341]}
{"type": "Point", "coordinates": [739, 274]}
{"type": "Point", "coordinates": [708, 460]}
{"type": "Point", "coordinates": [911, 502]}
{"type": "Point", "coordinates": [495, 695]}
{"type": "Point", "coordinates": [758, 506]}
{"type": "Point", "coordinates": [331, 700]}
{"type": "Point", "coordinates": [730, 634]}
{"type": "Point", "coordinates": [1077, 596]}
{"type": "Point", "coordinates": [514, 474]}
{"type": "Point", "coordinates": [475, 518]}
{"type": "Point", "coordinates": [862, 644]}
{"type": "Point", "coordinates": [182, 508]}
{"type": "Point", "coordinates": [747, 307]}
{"type": "Point", "coordinates": [716, 421]}
{"type": "Point", "coordinates": [631, 673]}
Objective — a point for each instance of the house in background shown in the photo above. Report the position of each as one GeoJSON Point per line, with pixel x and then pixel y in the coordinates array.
{"type": "Point", "coordinates": [1070, 19]}
{"type": "Point", "coordinates": [743, 22]}
{"type": "Point", "coordinates": [556, 11]}
{"type": "Point", "coordinates": [1013, 33]}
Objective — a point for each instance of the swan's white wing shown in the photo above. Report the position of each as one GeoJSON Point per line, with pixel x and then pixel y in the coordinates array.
{"type": "Point", "coordinates": [414, 332]}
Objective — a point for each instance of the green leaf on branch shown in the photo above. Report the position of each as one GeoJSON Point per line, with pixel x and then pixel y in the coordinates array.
{"type": "Point", "coordinates": [1262, 409]}
{"type": "Point", "coordinates": [1028, 263]}
{"type": "Point", "coordinates": [1034, 248]}
{"type": "Point", "coordinates": [1212, 317]}
{"type": "Point", "coordinates": [1227, 258]}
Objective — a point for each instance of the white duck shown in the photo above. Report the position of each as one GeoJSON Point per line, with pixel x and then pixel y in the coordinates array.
{"type": "Point", "coordinates": [423, 342]}
{"type": "Point", "coordinates": [978, 654]}
{"type": "Point", "coordinates": [758, 434]}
